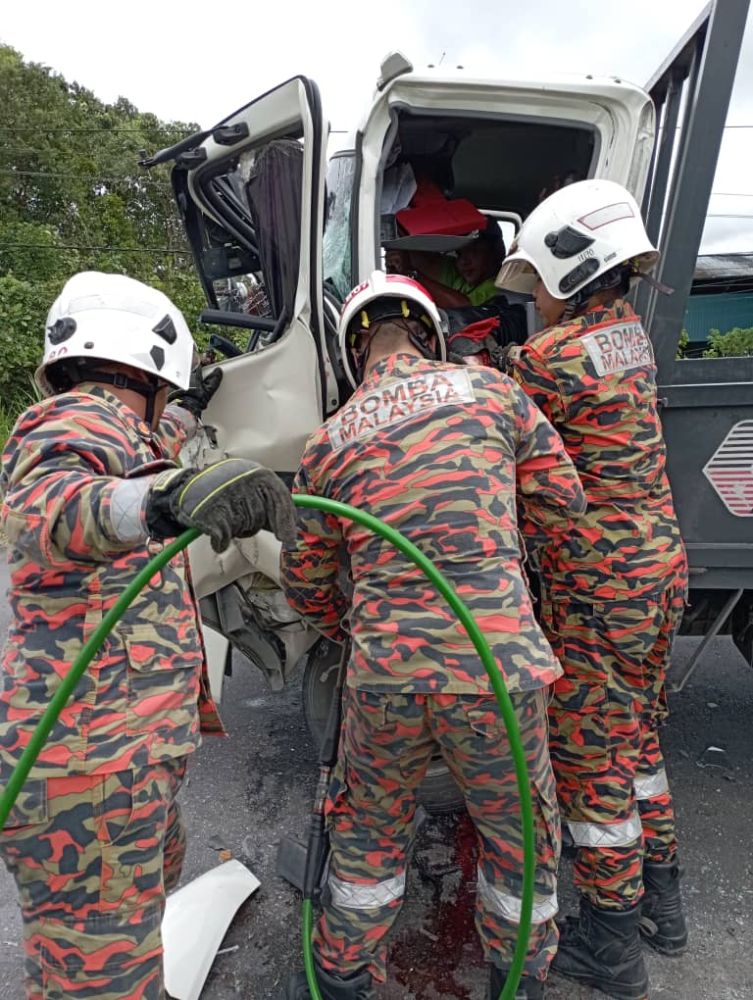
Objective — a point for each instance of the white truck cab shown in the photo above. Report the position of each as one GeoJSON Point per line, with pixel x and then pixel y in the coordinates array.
{"type": "Point", "coordinates": [500, 144]}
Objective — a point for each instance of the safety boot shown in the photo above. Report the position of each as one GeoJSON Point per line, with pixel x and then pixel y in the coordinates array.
{"type": "Point", "coordinates": [528, 989]}
{"type": "Point", "coordinates": [331, 987]}
{"type": "Point", "coordinates": [602, 948]}
{"type": "Point", "coordinates": [662, 922]}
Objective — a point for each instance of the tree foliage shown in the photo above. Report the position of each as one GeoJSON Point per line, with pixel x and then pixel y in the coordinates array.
{"type": "Point", "coordinates": [732, 344]}
{"type": "Point", "coordinates": [73, 198]}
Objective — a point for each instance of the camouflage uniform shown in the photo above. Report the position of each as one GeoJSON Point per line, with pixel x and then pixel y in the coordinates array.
{"type": "Point", "coordinates": [97, 820]}
{"type": "Point", "coordinates": [436, 451]}
{"type": "Point", "coordinates": [615, 590]}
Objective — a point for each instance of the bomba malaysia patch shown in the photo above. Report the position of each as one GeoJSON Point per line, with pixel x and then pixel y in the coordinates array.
{"type": "Point", "coordinates": [397, 401]}
{"type": "Point", "coordinates": [619, 347]}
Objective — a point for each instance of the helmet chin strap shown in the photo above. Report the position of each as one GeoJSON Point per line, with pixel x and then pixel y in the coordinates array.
{"type": "Point", "coordinates": [148, 390]}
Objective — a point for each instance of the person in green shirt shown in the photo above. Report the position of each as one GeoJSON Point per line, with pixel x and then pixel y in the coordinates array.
{"type": "Point", "coordinates": [468, 279]}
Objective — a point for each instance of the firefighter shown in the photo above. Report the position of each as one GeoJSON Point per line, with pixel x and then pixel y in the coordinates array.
{"type": "Point", "coordinates": [436, 450]}
{"type": "Point", "coordinates": [91, 490]}
{"type": "Point", "coordinates": [615, 589]}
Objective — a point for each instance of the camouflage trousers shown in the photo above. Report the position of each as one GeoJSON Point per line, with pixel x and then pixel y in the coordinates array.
{"type": "Point", "coordinates": [604, 722]}
{"type": "Point", "coordinates": [92, 857]}
{"type": "Point", "coordinates": [387, 743]}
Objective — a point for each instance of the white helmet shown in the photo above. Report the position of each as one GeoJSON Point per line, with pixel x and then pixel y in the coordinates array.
{"type": "Point", "coordinates": [387, 296]}
{"type": "Point", "coordinates": [109, 317]}
{"type": "Point", "coordinates": [574, 236]}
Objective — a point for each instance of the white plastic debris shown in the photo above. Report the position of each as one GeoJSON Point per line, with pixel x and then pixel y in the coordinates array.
{"type": "Point", "coordinates": [196, 920]}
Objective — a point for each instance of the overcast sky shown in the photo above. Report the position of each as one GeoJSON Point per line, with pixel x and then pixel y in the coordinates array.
{"type": "Point", "coordinates": [198, 62]}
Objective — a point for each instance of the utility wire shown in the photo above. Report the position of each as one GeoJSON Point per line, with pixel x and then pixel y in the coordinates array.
{"type": "Point", "coordinates": [102, 128]}
{"type": "Point", "coordinates": [729, 215]}
{"type": "Point", "coordinates": [149, 128]}
{"type": "Point", "coordinates": [47, 246]}
{"type": "Point", "coordinates": [87, 177]}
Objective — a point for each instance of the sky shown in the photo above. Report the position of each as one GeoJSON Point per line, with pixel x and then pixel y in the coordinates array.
{"type": "Point", "coordinates": [191, 62]}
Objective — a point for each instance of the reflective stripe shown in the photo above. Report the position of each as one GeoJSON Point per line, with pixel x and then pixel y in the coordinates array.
{"type": "Point", "coordinates": [127, 504]}
{"type": "Point", "coordinates": [508, 906]}
{"type": "Point", "coordinates": [607, 834]}
{"type": "Point", "coordinates": [357, 896]}
{"type": "Point", "coordinates": [649, 786]}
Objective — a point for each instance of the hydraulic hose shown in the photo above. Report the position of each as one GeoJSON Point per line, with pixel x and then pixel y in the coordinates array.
{"type": "Point", "coordinates": [82, 661]}
{"type": "Point", "coordinates": [90, 649]}
{"type": "Point", "coordinates": [476, 636]}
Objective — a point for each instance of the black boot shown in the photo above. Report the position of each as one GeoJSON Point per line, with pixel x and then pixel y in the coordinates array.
{"type": "Point", "coordinates": [357, 987]}
{"type": "Point", "coordinates": [602, 948]}
{"type": "Point", "coordinates": [528, 989]}
{"type": "Point", "coordinates": [662, 923]}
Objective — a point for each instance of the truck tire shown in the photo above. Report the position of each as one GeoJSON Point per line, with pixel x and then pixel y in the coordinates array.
{"type": "Point", "coordinates": [438, 792]}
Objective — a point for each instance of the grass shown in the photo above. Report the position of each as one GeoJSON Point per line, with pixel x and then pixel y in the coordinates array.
{"type": "Point", "coordinates": [7, 420]}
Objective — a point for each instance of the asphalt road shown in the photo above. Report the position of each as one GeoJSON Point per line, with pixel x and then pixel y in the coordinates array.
{"type": "Point", "coordinates": [245, 792]}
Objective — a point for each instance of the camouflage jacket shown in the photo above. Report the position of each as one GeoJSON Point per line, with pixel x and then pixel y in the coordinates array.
{"type": "Point", "coordinates": [139, 700]}
{"type": "Point", "coordinates": [595, 379]}
{"type": "Point", "coordinates": [437, 452]}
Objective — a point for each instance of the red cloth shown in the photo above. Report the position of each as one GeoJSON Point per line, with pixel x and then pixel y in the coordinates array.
{"type": "Point", "coordinates": [430, 213]}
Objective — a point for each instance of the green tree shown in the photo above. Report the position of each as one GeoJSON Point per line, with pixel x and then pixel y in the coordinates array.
{"type": "Point", "coordinates": [732, 344]}
{"type": "Point", "coordinates": [73, 197]}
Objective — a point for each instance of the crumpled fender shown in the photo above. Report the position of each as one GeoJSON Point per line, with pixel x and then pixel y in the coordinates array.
{"type": "Point", "coordinates": [195, 922]}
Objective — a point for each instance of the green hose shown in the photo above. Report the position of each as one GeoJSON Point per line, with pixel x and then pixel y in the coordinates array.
{"type": "Point", "coordinates": [84, 658]}
{"type": "Point", "coordinates": [476, 636]}
{"type": "Point", "coordinates": [90, 649]}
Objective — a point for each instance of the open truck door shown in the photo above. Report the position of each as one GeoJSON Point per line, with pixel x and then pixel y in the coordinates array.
{"type": "Point", "coordinates": [707, 403]}
{"type": "Point", "coordinates": [250, 192]}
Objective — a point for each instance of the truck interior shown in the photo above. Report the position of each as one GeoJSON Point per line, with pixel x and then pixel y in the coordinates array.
{"type": "Point", "coordinates": [503, 166]}
{"type": "Point", "coordinates": [498, 163]}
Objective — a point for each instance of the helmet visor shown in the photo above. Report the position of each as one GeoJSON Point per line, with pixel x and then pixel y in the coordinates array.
{"type": "Point", "coordinates": [517, 275]}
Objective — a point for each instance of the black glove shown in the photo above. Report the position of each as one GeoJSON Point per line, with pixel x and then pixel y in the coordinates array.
{"type": "Point", "coordinates": [196, 397]}
{"type": "Point", "coordinates": [233, 498]}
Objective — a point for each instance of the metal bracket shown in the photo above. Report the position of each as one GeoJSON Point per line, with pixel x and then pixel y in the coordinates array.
{"type": "Point", "coordinates": [718, 623]}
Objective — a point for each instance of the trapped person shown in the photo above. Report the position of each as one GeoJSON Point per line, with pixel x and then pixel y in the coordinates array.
{"type": "Point", "coordinates": [615, 587]}
{"type": "Point", "coordinates": [465, 280]}
{"type": "Point", "coordinates": [91, 490]}
{"type": "Point", "coordinates": [438, 451]}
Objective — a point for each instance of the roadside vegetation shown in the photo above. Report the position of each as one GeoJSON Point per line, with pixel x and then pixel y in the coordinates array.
{"type": "Point", "coordinates": [72, 198]}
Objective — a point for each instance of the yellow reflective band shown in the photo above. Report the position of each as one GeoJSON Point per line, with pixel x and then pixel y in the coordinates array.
{"type": "Point", "coordinates": [197, 477]}
{"type": "Point", "coordinates": [221, 487]}
{"type": "Point", "coordinates": [204, 472]}
{"type": "Point", "coordinates": [405, 309]}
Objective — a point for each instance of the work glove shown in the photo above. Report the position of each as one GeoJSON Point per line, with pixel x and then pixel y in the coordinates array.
{"type": "Point", "coordinates": [196, 397]}
{"type": "Point", "coordinates": [233, 498]}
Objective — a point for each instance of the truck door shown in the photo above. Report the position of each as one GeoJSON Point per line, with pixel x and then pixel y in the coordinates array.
{"type": "Point", "coordinates": [250, 192]}
{"type": "Point", "coordinates": [251, 195]}
{"type": "Point", "coordinates": [707, 403]}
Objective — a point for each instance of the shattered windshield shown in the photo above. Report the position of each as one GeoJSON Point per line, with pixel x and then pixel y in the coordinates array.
{"type": "Point", "coordinates": [337, 235]}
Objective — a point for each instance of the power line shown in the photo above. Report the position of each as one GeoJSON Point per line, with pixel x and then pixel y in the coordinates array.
{"type": "Point", "coordinates": [148, 128]}
{"type": "Point", "coordinates": [100, 129]}
{"type": "Point", "coordinates": [661, 127]}
{"type": "Point", "coordinates": [47, 246]}
{"type": "Point", "coordinates": [87, 177]}
{"type": "Point", "coordinates": [729, 215]}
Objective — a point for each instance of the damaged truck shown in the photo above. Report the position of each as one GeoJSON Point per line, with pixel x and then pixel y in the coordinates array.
{"type": "Point", "coordinates": [280, 234]}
